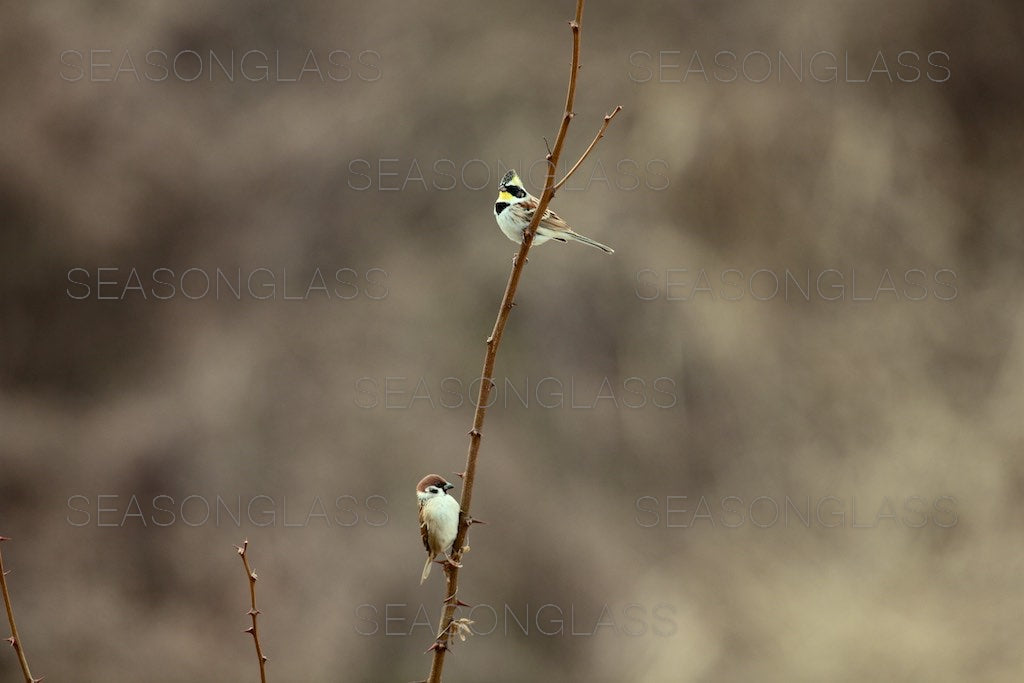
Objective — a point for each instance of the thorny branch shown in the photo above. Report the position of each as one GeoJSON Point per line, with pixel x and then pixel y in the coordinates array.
{"type": "Point", "coordinates": [15, 639]}
{"type": "Point", "coordinates": [449, 626]}
{"type": "Point", "coordinates": [253, 612]}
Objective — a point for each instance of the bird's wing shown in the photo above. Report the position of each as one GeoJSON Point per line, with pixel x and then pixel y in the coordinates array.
{"type": "Point", "coordinates": [423, 530]}
{"type": "Point", "coordinates": [553, 221]}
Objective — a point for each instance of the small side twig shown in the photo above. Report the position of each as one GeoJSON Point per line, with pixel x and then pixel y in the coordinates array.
{"type": "Point", "coordinates": [253, 612]}
{"type": "Point", "coordinates": [600, 134]}
{"type": "Point", "coordinates": [15, 639]}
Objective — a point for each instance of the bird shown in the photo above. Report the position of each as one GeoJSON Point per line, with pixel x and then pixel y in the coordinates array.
{"type": "Point", "coordinates": [439, 519]}
{"type": "Point", "coordinates": [514, 210]}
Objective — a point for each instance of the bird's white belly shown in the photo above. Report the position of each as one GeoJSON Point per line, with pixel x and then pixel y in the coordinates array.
{"type": "Point", "coordinates": [441, 515]}
{"type": "Point", "coordinates": [513, 229]}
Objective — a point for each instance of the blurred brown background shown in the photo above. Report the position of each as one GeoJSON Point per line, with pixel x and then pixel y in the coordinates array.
{"type": "Point", "coordinates": [689, 474]}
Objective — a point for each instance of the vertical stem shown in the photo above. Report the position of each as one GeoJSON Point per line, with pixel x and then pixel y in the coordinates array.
{"type": "Point", "coordinates": [440, 646]}
{"type": "Point", "coordinates": [15, 639]}
{"type": "Point", "coordinates": [253, 612]}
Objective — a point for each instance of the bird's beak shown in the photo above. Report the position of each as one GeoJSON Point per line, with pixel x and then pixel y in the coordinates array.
{"type": "Point", "coordinates": [449, 486]}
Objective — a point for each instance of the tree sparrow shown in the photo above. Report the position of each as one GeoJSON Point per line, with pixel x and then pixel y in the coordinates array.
{"type": "Point", "coordinates": [439, 519]}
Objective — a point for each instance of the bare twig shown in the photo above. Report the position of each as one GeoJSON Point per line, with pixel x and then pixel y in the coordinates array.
{"type": "Point", "coordinates": [15, 639]}
{"type": "Point", "coordinates": [600, 134]}
{"type": "Point", "coordinates": [446, 630]}
{"type": "Point", "coordinates": [253, 612]}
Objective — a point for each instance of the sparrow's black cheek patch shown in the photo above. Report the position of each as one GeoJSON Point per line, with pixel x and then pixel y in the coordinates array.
{"type": "Point", "coordinates": [516, 192]}
{"type": "Point", "coordinates": [500, 206]}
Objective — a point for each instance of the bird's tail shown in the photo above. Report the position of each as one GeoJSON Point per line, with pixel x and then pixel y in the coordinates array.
{"type": "Point", "coordinates": [586, 240]}
{"type": "Point", "coordinates": [426, 569]}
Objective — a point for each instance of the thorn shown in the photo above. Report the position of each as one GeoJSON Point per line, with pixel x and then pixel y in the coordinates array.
{"type": "Point", "coordinates": [12, 641]}
{"type": "Point", "coordinates": [253, 612]}
{"type": "Point", "coordinates": [473, 520]}
{"type": "Point", "coordinates": [474, 432]}
{"type": "Point", "coordinates": [460, 474]}
{"type": "Point", "coordinates": [573, 25]}
{"type": "Point", "coordinates": [264, 658]}
{"type": "Point", "coordinates": [436, 646]}
{"type": "Point", "coordinates": [459, 603]}
{"type": "Point", "coordinates": [249, 630]}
